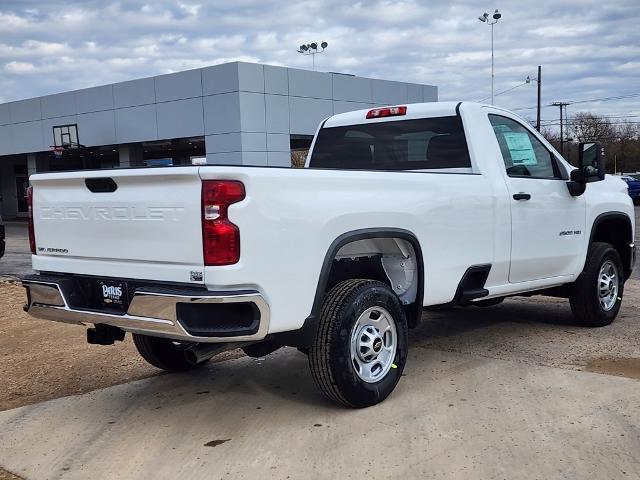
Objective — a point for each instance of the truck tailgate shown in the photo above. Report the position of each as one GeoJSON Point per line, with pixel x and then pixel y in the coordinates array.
{"type": "Point", "coordinates": [148, 227]}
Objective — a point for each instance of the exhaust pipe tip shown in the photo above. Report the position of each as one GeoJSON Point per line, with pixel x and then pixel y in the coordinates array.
{"type": "Point", "coordinates": [201, 352]}
{"type": "Point", "coordinates": [191, 357]}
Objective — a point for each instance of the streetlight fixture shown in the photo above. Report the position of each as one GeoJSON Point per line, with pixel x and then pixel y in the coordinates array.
{"type": "Point", "coordinates": [484, 18]}
{"type": "Point", "coordinates": [312, 49]}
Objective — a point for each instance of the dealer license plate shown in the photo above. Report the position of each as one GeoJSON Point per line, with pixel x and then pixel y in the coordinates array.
{"type": "Point", "coordinates": [113, 295]}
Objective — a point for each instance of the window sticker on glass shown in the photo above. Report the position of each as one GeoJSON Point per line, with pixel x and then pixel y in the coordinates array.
{"type": "Point", "coordinates": [501, 129]}
{"type": "Point", "coordinates": [520, 147]}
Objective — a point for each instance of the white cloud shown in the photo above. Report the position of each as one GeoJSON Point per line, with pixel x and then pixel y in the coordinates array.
{"type": "Point", "coordinates": [19, 67]}
{"type": "Point", "coordinates": [588, 48]}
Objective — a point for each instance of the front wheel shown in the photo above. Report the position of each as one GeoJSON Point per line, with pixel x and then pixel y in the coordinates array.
{"type": "Point", "coordinates": [360, 348]}
{"type": "Point", "coordinates": [597, 293]}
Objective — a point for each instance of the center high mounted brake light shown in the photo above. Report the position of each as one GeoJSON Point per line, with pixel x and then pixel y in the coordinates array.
{"type": "Point", "coordinates": [387, 112]}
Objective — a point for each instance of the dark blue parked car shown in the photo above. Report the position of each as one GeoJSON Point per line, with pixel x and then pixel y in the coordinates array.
{"type": "Point", "coordinates": [634, 188]}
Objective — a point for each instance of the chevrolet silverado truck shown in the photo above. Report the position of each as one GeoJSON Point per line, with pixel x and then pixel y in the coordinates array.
{"type": "Point", "coordinates": [399, 209]}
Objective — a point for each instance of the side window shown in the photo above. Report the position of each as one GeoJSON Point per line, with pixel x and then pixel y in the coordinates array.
{"type": "Point", "coordinates": [523, 154]}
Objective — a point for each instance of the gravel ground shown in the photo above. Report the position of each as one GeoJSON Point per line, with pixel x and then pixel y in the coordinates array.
{"type": "Point", "coordinates": [41, 360]}
{"type": "Point", "coordinates": [4, 475]}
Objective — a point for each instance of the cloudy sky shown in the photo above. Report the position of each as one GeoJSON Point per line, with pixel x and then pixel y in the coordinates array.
{"type": "Point", "coordinates": [587, 49]}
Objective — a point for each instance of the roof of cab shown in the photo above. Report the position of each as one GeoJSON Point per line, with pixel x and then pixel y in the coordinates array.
{"type": "Point", "coordinates": [414, 110]}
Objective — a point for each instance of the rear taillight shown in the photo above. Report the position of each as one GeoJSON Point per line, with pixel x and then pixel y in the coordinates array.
{"type": "Point", "coordinates": [387, 112]}
{"type": "Point", "coordinates": [220, 237]}
{"type": "Point", "coordinates": [32, 234]}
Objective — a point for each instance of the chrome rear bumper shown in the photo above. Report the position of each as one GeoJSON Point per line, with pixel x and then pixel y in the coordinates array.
{"type": "Point", "coordinates": [152, 311]}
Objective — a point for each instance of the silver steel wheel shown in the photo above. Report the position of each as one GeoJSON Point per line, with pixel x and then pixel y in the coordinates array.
{"type": "Point", "coordinates": [374, 341]}
{"type": "Point", "coordinates": [608, 285]}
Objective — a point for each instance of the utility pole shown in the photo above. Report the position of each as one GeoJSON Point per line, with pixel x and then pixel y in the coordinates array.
{"type": "Point", "coordinates": [561, 105]}
{"type": "Point", "coordinates": [539, 95]}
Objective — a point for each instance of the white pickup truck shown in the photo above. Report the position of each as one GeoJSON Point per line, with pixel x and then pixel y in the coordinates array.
{"type": "Point", "coordinates": [398, 209]}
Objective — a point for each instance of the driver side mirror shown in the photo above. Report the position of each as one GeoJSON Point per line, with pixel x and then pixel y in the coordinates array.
{"type": "Point", "coordinates": [590, 167]}
{"type": "Point", "coordinates": [591, 161]}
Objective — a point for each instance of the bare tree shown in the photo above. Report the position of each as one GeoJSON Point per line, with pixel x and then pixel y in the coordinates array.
{"type": "Point", "coordinates": [621, 142]}
{"type": "Point", "coordinates": [551, 135]}
{"type": "Point", "coordinates": [625, 151]}
{"type": "Point", "coordinates": [586, 127]}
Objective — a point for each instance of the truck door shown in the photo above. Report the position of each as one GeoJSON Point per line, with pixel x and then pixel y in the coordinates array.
{"type": "Point", "coordinates": [547, 223]}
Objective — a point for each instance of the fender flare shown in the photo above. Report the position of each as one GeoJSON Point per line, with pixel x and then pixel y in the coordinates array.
{"type": "Point", "coordinates": [615, 215]}
{"type": "Point", "coordinates": [609, 216]}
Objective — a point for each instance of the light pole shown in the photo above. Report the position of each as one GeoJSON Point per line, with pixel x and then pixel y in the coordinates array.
{"type": "Point", "coordinates": [484, 18]}
{"type": "Point", "coordinates": [312, 49]}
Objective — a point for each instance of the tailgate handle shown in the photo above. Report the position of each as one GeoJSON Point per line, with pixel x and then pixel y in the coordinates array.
{"type": "Point", "coordinates": [101, 185]}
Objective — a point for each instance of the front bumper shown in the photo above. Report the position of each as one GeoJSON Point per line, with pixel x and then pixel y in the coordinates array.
{"type": "Point", "coordinates": [176, 312]}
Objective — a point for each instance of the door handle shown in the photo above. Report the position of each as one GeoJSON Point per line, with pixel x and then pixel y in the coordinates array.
{"type": "Point", "coordinates": [521, 196]}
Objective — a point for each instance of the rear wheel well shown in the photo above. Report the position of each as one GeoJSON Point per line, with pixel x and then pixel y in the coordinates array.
{"type": "Point", "coordinates": [391, 260]}
{"type": "Point", "coordinates": [615, 229]}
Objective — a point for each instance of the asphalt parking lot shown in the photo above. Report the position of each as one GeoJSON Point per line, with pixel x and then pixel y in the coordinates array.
{"type": "Point", "coordinates": [513, 391]}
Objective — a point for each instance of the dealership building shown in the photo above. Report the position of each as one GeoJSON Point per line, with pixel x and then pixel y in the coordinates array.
{"type": "Point", "coordinates": [231, 114]}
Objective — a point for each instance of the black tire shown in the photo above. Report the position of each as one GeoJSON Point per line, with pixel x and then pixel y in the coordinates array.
{"type": "Point", "coordinates": [163, 353]}
{"type": "Point", "coordinates": [584, 299]}
{"type": "Point", "coordinates": [330, 360]}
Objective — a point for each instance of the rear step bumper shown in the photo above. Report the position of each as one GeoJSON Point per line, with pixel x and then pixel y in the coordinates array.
{"type": "Point", "coordinates": [178, 313]}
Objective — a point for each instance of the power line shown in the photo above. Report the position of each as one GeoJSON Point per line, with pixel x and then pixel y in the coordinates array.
{"type": "Point", "coordinates": [574, 102]}
{"type": "Point", "coordinates": [603, 115]}
{"type": "Point", "coordinates": [606, 99]}
{"type": "Point", "coordinates": [526, 82]}
{"type": "Point", "coordinates": [577, 122]}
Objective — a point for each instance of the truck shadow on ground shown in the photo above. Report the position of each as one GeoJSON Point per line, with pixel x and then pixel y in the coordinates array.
{"type": "Point", "coordinates": [555, 314]}
{"type": "Point", "coordinates": [285, 374]}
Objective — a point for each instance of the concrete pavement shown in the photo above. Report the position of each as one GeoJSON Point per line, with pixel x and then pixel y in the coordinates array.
{"type": "Point", "coordinates": [17, 257]}
{"type": "Point", "coordinates": [452, 416]}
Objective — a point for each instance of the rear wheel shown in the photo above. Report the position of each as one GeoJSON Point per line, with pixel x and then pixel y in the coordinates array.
{"type": "Point", "coordinates": [597, 294]}
{"type": "Point", "coordinates": [164, 353]}
{"type": "Point", "coordinates": [360, 348]}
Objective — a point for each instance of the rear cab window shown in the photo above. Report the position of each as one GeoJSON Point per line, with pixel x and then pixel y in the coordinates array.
{"type": "Point", "coordinates": [419, 144]}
